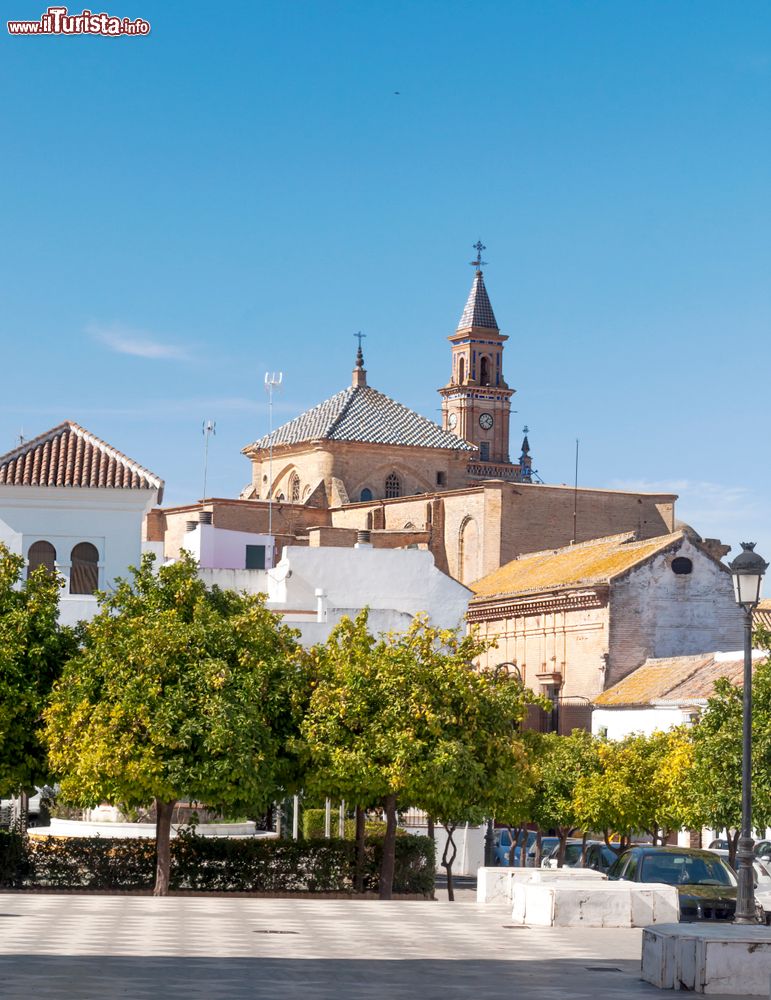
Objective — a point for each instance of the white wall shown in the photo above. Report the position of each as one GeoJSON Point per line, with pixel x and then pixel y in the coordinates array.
{"type": "Point", "coordinates": [656, 613]}
{"type": "Point", "coordinates": [314, 587]}
{"type": "Point", "coordinates": [620, 722]}
{"type": "Point", "coordinates": [221, 548]}
{"type": "Point", "coordinates": [110, 519]}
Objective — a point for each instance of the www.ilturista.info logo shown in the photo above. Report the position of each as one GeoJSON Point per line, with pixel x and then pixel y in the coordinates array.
{"type": "Point", "coordinates": [57, 21]}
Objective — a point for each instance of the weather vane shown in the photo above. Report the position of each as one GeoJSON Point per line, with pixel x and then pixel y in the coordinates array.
{"type": "Point", "coordinates": [479, 247]}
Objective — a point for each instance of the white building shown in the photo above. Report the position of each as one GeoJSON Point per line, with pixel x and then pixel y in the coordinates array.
{"type": "Point", "coordinates": [665, 692]}
{"type": "Point", "coordinates": [313, 587]}
{"type": "Point", "coordinates": [73, 503]}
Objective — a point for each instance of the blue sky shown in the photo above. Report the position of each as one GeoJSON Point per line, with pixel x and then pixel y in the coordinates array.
{"type": "Point", "coordinates": [243, 190]}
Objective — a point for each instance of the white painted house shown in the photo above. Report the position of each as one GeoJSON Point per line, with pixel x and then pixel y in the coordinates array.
{"type": "Point", "coordinates": [313, 587]}
{"type": "Point", "coordinates": [73, 503]}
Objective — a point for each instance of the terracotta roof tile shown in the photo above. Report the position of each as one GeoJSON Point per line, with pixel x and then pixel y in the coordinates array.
{"type": "Point", "coordinates": [586, 564]}
{"type": "Point", "coordinates": [676, 679]}
{"type": "Point", "coordinates": [68, 455]}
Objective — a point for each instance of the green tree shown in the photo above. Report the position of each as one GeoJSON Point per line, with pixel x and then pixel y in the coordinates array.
{"type": "Point", "coordinates": [405, 719]}
{"type": "Point", "coordinates": [717, 739]}
{"type": "Point", "coordinates": [177, 692]}
{"type": "Point", "coordinates": [33, 650]}
{"type": "Point", "coordinates": [641, 783]}
{"type": "Point", "coordinates": [563, 761]}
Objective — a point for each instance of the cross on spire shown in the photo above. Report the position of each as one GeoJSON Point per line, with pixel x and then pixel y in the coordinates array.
{"type": "Point", "coordinates": [478, 262]}
{"type": "Point", "coordinates": [360, 336]}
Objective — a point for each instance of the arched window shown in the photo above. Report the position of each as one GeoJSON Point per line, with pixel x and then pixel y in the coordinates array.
{"type": "Point", "coordinates": [393, 486]}
{"type": "Point", "coordinates": [84, 574]}
{"type": "Point", "coordinates": [468, 551]}
{"type": "Point", "coordinates": [461, 371]}
{"type": "Point", "coordinates": [280, 498]}
{"type": "Point", "coordinates": [306, 493]}
{"type": "Point", "coordinates": [41, 554]}
{"type": "Point", "coordinates": [484, 371]}
{"type": "Point", "coordinates": [294, 488]}
{"type": "Point", "coordinates": [366, 495]}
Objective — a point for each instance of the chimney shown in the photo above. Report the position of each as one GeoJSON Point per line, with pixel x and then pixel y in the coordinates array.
{"type": "Point", "coordinates": [363, 539]}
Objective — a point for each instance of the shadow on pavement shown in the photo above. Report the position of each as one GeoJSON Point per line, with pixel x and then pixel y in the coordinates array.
{"type": "Point", "coordinates": [107, 977]}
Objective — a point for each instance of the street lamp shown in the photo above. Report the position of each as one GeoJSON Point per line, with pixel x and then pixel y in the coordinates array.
{"type": "Point", "coordinates": [747, 571]}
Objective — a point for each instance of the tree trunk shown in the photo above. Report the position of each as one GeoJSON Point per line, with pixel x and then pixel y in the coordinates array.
{"type": "Point", "coordinates": [163, 814]}
{"type": "Point", "coordinates": [389, 849]}
{"type": "Point", "coordinates": [430, 831]}
{"type": "Point", "coordinates": [358, 884]}
{"type": "Point", "coordinates": [523, 849]}
{"type": "Point", "coordinates": [538, 849]}
{"type": "Point", "coordinates": [583, 850]}
{"type": "Point", "coordinates": [563, 835]}
{"type": "Point", "coordinates": [448, 859]}
{"type": "Point", "coordinates": [733, 843]}
{"type": "Point", "coordinates": [513, 841]}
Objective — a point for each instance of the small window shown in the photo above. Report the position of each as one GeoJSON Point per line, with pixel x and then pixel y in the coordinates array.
{"type": "Point", "coordinates": [84, 574]}
{"type": "Point", "coordinates": [441, 478]}
{"type": "Point", "coordinates": [41, 554]}
{"type": "Point", "coordinates": [366, 495]}
{"type": "Point", "coordinates": [484, 451]}
{"type": "Point", "coordinates": [461, 371]}
{"type": "Point", "coordinates": [255, 557]}
{"type": "Point", "coordinates": [484, 371]}
{"type": "Point", "coordinates": [393, 486]}
{"type": "Point", "coordinates": [294, 488]}
{"type": "Point", "coordinates": [682, 566]}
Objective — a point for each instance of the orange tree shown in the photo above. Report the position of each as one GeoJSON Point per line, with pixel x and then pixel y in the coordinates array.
{"type": "Point", "coordinates": [177, 692]}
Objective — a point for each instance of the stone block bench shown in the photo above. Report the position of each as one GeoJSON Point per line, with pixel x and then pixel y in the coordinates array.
{"type": "Point", "coordinates": [593, 904]}
{"type": "Point", "coordinates": [496, 885]}
{"type": "Point", "coordinates": [729, 959]}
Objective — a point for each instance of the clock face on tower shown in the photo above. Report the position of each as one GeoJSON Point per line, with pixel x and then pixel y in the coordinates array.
{"type": "Point", "coordinates": [486, 421]}
{"type": "Point", "coordinates": [452, 421]}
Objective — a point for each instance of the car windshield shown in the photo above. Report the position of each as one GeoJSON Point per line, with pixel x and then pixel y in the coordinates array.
{"type": "Point", "coordinates": [684, 869]}
{"type": "Point", "coordinates": [572, 854]}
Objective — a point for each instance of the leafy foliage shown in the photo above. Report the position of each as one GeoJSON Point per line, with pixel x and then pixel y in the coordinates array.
{"type": "Point", "coordinates": [33, 648]}
{"type": "Point", "coordinates": [177, 692]}
{"type": "Point", "coordinates": [211, 864]}
{"type": "Point", "coordinates": [562, 762]}
{"type": "Point", "coordinates": [640, 783]}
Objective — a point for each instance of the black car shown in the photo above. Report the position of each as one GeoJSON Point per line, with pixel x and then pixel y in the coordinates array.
{"type": "Point", "coordinates": [704, 882]}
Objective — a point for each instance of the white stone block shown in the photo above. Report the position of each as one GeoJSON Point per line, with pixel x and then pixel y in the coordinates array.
{"type": "Point", "coordinates": [496, 885]}
{"type": "Point", "coordinates": [596, 904]}
{"type": "Point", "coordinates": [709, 958]}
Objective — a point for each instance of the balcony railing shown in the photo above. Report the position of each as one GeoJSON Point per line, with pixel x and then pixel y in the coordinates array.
{"type": "Point", "coordinates": [494, 470]}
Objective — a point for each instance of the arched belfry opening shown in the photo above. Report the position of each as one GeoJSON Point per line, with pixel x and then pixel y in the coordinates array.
{"type": "Point", "coordinates": [484, 371]}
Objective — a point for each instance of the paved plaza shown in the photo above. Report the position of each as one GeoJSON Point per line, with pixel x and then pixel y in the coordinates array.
{"type": "Point", "coordinates": [84, 947]}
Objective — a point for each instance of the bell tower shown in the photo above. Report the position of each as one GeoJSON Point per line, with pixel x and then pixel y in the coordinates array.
{"type": "Point", "coordinates": [476, 402]}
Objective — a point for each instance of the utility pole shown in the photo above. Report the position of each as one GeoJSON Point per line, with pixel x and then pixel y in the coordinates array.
{"type": "Point", "coordinates": [272, 382]}
{"type": "Point", "coordinates": [209, 428]}
{"type": "Point", "coordinates": [575, 501]}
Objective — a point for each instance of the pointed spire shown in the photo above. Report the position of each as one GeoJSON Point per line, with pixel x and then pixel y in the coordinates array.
{"type": "Point", "coordinates": [478, 311]}
{"type": "Point", "coordinates": [359, 371]}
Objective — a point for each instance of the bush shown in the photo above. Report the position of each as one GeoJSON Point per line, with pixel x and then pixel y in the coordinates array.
{"type": "Point", "coordinates": [214, 864]}
{"type": "Point", "coordinates": [14, 861]}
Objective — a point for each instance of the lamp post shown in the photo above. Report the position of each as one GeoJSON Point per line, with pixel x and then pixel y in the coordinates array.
{"type": "Point", "coordinates": [747, 571]}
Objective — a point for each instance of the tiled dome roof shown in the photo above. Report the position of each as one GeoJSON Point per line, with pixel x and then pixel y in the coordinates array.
{"type": "Point", "coordinates": [361, 413]}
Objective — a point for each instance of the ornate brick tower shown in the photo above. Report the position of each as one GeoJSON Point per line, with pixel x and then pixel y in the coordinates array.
{"type": "Point", "coordinates": [476, 402]}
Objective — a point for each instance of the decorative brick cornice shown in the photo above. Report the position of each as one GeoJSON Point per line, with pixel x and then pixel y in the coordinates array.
{"type": "Point", "coordinates": [576, 600]}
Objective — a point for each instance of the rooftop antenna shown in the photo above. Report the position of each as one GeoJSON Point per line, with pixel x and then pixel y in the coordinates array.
{"type": "Point", "coordinates": [207, 429]}
{"type": "Point", "coordinates": [273, 381]}
{"type": "Point", "coordinates": [575, 500]}
{"type": "Point", "coordinates": [22, 439]}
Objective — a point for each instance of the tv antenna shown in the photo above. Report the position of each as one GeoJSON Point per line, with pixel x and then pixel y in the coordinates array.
{"type": "Point", "coordinates": [207, 429]}
{"type": "Point", "coordinates": [273, 382]}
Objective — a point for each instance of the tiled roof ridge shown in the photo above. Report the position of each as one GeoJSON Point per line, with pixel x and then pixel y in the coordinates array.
{"type": "Point", "coordinates": [75, 429]}
{"type": "Point", "coordinates": [351, 393]}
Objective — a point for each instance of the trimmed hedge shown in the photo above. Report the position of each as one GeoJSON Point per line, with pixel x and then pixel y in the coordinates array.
{"type": "Point", "coordinates": [212, 864]}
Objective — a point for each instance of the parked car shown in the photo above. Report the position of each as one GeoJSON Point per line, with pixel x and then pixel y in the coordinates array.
{"type": "Point", "coordinates": [502, 845]}
{"type": "Point", "coordinates": [761, 869]}
{"type": "Point", "coordinates": [547, 843]}
{"type": "Point", "coordinates": [763, 850]}
{"type": "Point", "coordinates": [718, 845]}
{"type": "Point", "coordinates": [705, 883]}
{"type": "Point", "coordinates": [599, 856]}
